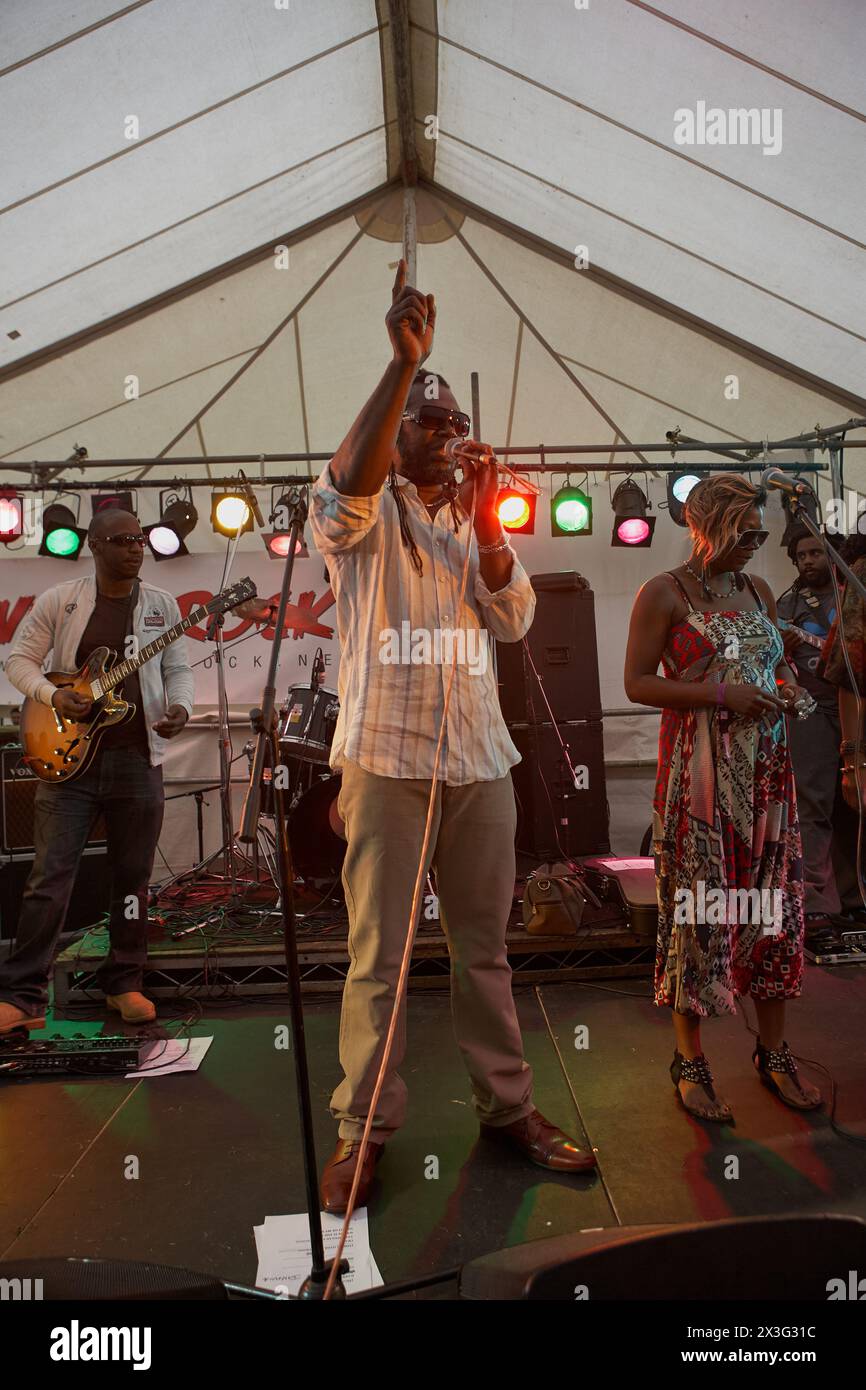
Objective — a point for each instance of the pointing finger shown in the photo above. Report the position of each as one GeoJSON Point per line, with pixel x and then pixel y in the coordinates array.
{"type": "Point", "coordinates": [399, 278]}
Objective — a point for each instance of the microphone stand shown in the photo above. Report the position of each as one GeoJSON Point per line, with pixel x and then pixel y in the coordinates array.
{"type": "Point", "coordinates": [267, 742]}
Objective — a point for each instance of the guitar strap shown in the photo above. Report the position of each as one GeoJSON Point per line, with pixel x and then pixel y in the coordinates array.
{"type": "Point", "coordinates": [130, 613]}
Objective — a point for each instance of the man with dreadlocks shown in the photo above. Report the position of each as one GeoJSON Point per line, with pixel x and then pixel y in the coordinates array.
{"type": "Point", "coordinates": [827, 826]}
{"type": "Point", "coordinates": [395, 529]}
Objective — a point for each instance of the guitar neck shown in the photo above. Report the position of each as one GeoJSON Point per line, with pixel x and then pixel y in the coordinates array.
{"type": "Point", "coordinates": [109, 679]}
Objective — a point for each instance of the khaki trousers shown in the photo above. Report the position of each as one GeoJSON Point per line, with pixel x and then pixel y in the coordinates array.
{"type": "Point", "coordinates": [472, 848]}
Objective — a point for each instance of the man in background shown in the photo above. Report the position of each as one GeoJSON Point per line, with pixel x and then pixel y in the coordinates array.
{"type": "Point", "coordinates": [827, 826]}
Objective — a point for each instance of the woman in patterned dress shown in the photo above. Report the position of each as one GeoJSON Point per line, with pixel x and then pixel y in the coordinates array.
{"type": "Point", "coordinates": [725, 814]}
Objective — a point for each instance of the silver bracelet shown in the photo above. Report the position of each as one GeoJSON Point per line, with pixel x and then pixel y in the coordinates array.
{"type": "Point", "coordinates": [501, 544]}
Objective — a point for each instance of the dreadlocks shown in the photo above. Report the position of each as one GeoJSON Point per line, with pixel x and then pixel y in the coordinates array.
{"type": "Point", "coordinates": [408, 539]}
{"type": "Point", "coordinates": [405, 528]}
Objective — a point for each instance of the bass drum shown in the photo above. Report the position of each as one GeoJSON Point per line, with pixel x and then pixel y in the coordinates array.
{"type": "Point", "coordinates": [316, 832]}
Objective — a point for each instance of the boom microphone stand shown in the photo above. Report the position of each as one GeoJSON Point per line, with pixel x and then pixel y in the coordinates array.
{"type": "Point", "coordinates": [267, 744]}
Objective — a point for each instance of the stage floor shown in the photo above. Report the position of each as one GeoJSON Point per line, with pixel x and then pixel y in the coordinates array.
{"type": "Point", "coordinates": [218, 1149]}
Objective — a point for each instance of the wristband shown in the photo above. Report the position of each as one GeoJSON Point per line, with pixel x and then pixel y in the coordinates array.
{"type": "Point", "coordinates": [501, 544]}
{"type": "Point", "coordinates": [720, 694]}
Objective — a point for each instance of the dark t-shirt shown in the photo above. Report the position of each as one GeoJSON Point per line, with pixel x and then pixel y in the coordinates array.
{"type": "Point", "coordinates": [814, 613]}
{"type": "Point", "coordinates": [109, 623]}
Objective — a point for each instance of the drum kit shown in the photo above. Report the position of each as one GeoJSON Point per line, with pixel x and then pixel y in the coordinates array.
{"type": "Point", "coordinates": [306, 726]}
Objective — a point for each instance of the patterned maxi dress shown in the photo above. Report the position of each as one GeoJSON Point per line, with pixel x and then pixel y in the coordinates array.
{"type": "Point", "coordinates": [725, 817]}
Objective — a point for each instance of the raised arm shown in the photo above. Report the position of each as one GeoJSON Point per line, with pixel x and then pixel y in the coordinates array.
{"type": "Point", "coordinates": [360, 466]}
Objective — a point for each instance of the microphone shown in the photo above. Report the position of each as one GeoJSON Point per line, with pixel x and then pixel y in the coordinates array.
{"type": "Point", "coordinates": [251, 499]}
{"type": "Point", "coordinates": [453, 449]}
{"type": "Point", "coordinates": [318, 668]}
{"type": "Point", "coordinates": [774, 477]}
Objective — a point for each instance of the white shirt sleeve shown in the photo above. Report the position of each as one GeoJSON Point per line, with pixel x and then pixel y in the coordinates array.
{"type": "Point", "coordinates": [338, 522]}
{"type": "Point", "coordinates": [508, 612]}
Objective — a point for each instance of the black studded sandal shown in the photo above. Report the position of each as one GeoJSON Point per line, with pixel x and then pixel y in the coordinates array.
{"type": "Point", "coordinates": [781, 1059]}
{"type": "Point", "coordinates": [697, 1069]}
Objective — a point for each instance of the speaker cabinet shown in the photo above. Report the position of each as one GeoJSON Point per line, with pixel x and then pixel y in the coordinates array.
{"type": "Point", "coordinates": [18, 783]}
{"type": "Point", "coordinates": [87, 901]}
{"type": "Point", "coordinates": [557, 816]}
{"type": "Point", "coordinates": [742, 1259]}
{"type": "Point", "coordinates": [562, 646]}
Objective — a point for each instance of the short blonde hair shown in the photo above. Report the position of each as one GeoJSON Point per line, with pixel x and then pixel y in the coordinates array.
{"type": "Point", "coordinates": [714, 509]}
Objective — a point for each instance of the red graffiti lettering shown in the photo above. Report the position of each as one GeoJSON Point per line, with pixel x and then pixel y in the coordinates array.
{"type": "Point", "coordinates": [9, 621]}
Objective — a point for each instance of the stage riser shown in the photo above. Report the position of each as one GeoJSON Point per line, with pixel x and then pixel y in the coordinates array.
{"type": "Point", "coordinates": [607, 954]}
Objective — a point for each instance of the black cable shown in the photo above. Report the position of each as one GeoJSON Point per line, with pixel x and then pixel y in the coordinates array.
{"type": "Point", "coordinates": [834, 1089]}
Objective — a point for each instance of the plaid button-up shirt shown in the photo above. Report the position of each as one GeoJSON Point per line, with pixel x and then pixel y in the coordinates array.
{"type": "Point", "coordinates": [394, 626]}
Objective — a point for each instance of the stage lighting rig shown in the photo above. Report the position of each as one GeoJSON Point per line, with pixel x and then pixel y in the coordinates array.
{"type": "Point", "coordinates": [277, 542]}
{"type": "Point", "coordinates": [679, 485]}
{"type": "Point", "coordinates": [113, 501]}
{"type": "Point", "coordinates": [516, 510]}
{"type": "Point", "coordinates": [571, 512]}
{"type": "Point", "coordinates": [631, 525]}
{"type": "Point", "coordinates": [62, 537]}
{"type": "Point", "coordinates": [11, 516]}
{"type": "Point", "coordinates": [230, 512]}
{"type": "Point", "coordinates": [177, 517]}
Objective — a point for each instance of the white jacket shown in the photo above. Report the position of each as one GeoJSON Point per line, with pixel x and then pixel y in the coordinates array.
{"type": "Point", "coordinates": [56, 623]}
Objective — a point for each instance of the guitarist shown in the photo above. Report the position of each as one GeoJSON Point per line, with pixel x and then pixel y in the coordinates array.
{"type": "Point", "coordinates": [826, 824]}
{"type": "Point", "coordinates": [123, 780]}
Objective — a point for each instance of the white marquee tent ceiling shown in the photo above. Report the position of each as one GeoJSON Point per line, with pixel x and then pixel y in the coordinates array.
{"type": "Point", "coordinates": [260, 120]}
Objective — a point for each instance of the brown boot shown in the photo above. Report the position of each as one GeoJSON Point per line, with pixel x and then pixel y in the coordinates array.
{"type": "Point", "coordinates": [543, 1144]}
{"type": "Point", "coordinates": [11, 1017]}
{"type": "Point", "coordinates": [133, 1007]}
{"type": "Point", "coordinates": [339, 1174]}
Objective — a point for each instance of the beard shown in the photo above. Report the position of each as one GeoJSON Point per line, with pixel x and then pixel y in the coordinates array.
{"type": "Point", "coordinates": [425, 471]}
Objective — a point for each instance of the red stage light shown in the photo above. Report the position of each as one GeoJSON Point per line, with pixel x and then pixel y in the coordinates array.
{"type": "Point", "coordinates": [516, 510]}
{"type": "Point", "coordinates": [11, 517]}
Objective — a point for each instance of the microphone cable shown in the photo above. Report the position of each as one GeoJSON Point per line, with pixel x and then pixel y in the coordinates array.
{"type": "Point", "coordinates": [403, 977]}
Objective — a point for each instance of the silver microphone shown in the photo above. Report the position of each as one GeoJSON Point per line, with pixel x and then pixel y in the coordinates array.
{"type": "Point", "coordinates": [251, 498]}
{"type": "Point", "coordinates": [774, 477]}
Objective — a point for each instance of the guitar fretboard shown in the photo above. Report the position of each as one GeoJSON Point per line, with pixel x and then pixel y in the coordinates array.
{"type": "Point", "coordinates": [122, 669]}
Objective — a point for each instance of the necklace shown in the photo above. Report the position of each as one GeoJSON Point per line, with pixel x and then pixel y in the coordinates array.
{"type": "Point", "coordinates": [705, 586]}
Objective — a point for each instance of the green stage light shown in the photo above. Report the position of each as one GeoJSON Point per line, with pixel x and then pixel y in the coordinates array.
{"type": "Point", "coordinates": [61, 538]}
{"type": "Point", "coordinates": [571, 512]}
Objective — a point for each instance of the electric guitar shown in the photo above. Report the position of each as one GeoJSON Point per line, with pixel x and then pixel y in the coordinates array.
{"type": "Point", "coordinates": [804, 636]}
{"type": "Point", "coordinates": [58, 749]}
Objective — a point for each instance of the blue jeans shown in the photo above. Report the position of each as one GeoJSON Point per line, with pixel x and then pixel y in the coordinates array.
{"type": "Point", "coordinates": [121, 783]}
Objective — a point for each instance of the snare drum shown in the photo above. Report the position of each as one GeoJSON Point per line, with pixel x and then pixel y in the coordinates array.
{"type": "Point", "coordinates": [307, 723]}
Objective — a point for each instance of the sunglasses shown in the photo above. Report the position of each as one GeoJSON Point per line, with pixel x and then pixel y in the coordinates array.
{"type": "Point", "coordinates": [433, 417]}
{"type": "Point", "coordinates": [750, 540]}
{"type": "Point", "coordinates": [125, 540]}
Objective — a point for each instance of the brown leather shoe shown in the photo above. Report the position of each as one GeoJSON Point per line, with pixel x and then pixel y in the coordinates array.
{"type": "Point", "coordinates": [543, 1144]}
{"type": "Point", "coordinates": [11, 1017]}
{"type": "Point", "coordinates": [133, 1007]}
{"type": "Point", "coordinates": [339, 1174]}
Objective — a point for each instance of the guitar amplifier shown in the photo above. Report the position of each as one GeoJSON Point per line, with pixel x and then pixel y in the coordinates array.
{"type": "Point", "coordinates": [18, 785]}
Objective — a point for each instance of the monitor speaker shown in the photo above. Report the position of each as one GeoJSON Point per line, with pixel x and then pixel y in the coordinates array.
{"type": "Point", "coordinates": [743, 1259]}
{"type": "Point", "coordinates": [559, 816]}
{"type": "Point", "coordinates": [87, 902]}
